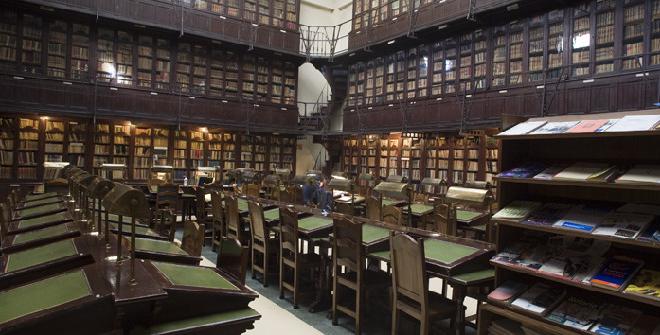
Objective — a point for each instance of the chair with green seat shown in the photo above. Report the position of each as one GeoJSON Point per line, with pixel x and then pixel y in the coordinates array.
{"type": "Point", "coordinates": [264, 244]}
{"type": "Point", "coordinates": [233, 258]}
{"type": "Point", "coordinates": [218, 221]}
{"type": "Point", "coordinates": [410, 291]}
{"type": "Point", "coordinates": [293, 262]}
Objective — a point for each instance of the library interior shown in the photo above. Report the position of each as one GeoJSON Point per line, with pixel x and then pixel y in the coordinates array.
{"type": "Point", "coordinates": [486, 167]}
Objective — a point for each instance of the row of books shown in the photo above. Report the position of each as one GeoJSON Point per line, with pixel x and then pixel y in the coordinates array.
{"type": "Point", "coordinates": [629, 221]}
{"type": "Point", "coordinates": [588, 172]}
{"type": "Point", "coordinates": [627, 123]}
{"type": "Point", "coordinates": [590, 315]}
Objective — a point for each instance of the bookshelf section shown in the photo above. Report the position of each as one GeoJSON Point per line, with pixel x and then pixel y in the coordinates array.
{"type": "Point", "coordinates": [592, 244]}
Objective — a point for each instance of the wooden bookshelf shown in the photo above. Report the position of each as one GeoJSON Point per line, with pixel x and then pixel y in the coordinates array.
{"type": "Point", "coordinates": [622, 149]}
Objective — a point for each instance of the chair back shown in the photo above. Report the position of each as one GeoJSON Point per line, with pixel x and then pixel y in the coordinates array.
{"type": "Point", "coordinates": [167, 196]}
{"type": "Point", "coordinates": [374, 208]}
{"type": "Point", "coordinates": [347, 244]}
{"type": "Point", "coordinates": [393, 214]}
{"type": "Point", "coordinates": [444, 219]}
{"type": "Point", "coordinates": [233, 216]}
{"type": "Point", "coordinates": [252, 190]}
{"type": "Point", "coordinates": [233, 258]}
{"type": "Point", "coordinates": [408, 269]}
{"type": "Point", "coordinates": [193, 238]}
{"type": "Point", "coordinates": [257, 221]}
{"type": "Point", "coordinates": [288, 233]}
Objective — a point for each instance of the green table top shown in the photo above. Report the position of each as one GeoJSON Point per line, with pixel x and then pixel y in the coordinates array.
{"type": "Point", "coordinates": [138, 229]}
{"type": "Point", "coordinates": [160, 246]}
{"type": "Point", "coordinates": [33, 197]}
{"type": "Point", "coordinates": [242, 205]}
{"type": "Point", "coordinates": [466, 216]}
{"type": "Point", "coordinates": [419, 209]}
{"type": "Point", "coordinates": [40, 210]}
{"type": "Point", "coordinates": [372, 233]}
{"type": "Point", "coordinates": [38, 202]}
{"type": "Point", "coordinates": [446, 252]}
{"type": "Point", "coordinates": [194, 276]}
{"type": "Point", "coordinates": [437, 251]}
{"type": "Point", "coordinates": [475, 276]}
{"type": "Point", "coordinates": [313, 223]}
{"type": "Point", "coordinates": [39, 255]}
{"type": "Point", "coordinates": [44, 294]}
{"type": "Point", "coordinates": [272, 214]}
{"type": "Point", "coordinates": [41, 233]}
{"type": "Point", "coordinates": [198, 321]}
{"type": "Point", "coordinates": [57, 217]}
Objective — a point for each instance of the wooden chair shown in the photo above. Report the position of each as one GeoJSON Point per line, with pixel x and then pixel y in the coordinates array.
{"type": "Point", "coordinates": [443, 220]}
{"type": "Point", "coordinates": [393, 214]}
{"type": "Point", "coordinates": [347, 252]}
{"type": "Point", "coordinates": [193, 238]}
{"type": "Point", "coordinates": [218, 221]}
{"type": "Point", "coordinates": [374, 208]}
{"type": "Point", "coordinates": [167, 200]}
{"type": "Point", "coordinates": [292, 257]}
{"type": "Point", "coordinates": [410, 291]}
{"type": "Point", "coordinates": [233, 258]}
{"type": "Point", "coordinates": [263, 244]}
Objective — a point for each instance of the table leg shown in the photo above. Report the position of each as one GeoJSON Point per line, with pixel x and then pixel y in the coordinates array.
{"type": "Point", "coordinates": [459, 293]}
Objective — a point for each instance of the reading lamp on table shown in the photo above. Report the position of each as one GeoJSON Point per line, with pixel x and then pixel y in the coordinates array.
{"type": "Point", "coordinates": [123, 200]}
{"type": "Point", "coordinates": [397, 191]}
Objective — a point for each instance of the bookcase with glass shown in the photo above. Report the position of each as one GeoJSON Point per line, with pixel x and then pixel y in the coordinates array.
{"type": "Point", "coordinates": [578, 234]}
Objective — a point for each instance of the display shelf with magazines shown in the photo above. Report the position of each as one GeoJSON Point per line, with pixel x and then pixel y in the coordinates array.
{"type": "Point", "coordinates": [579, 214]}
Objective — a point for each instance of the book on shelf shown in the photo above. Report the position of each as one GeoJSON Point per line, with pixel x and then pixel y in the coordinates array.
{"type": "Point", "coordinates": [523, 128]}
{"type": "Point", "coordinates": [516, 210]}
{"type": "Point", "coordinates": [527, 170]}
{"type": "Point", "coordinates": [585, 218]}
{"type": "Point", "coordinates": [616, 272]}
{"type": "Point", "coordinates": [550, 172]}
{"type": "Point", "coordinates": [646, 284]}
{"type": "Point", "coordinates": [582, 171]}
{"type": "Point", "coordinates": [554, 127]}
{"type": "Point", "coordinates": [641, 175]}
{"type": "Point", "coordinates": [547, 214]}
{"type": "Point", "coordinates": [635, 123]}
{"type": "Point", "coordinates": [576, 313]}
{"type": "Point", "coordinates": [616, 320]}
{"type": "Point", "coordinates": [588, 126]}
{"type": "Point", "coordinates": [507, 291]}
{"type": "Point", "coordinates": [540, 298]}
{"type": "Point", "coordinates": [624, 225]}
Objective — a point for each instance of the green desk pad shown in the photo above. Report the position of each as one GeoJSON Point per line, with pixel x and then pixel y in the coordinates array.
{"type": "Point", "coordinates": [42, 295]}
{"type": "Point", "coordinates": [33, 197]}
{"type": "Point", "coordinates": [438, 251]}
{"type": "Point", "coordinates": [39, 255]}
{"type": "Point", "coordinates": [272, 214]}
{"type": "Point", "coordinates": [41, 233]}
{"type": "Point", "coordinates": [194, 276]}
{"type": "Point", "coordinates": [419, 209]}
{"type": "Point", "coordinates": [138, 229]}
{"type": "Point", "coordinates": [466, 216]}
{"type": "Point", "coordinates": [57, 217]}
{"type": "Point", "coordinates": [446, 252]}
{"type": "Point", "coordinates": [198, 321]}
{"type": "Point", "coordinates": [46, 201]}
{"type": "Point", "coordinates": [164, 247]}
{"type": "Point", "coordinates": [372, 233]}
{"type": "Point", "coordinates": [242, 205]}
{"type": "Point", "coordinates": [468, 277]}
{"type": "Point", "coordinates": [314, 222]}
{"type": "Point", "coordinates": [40, 210]}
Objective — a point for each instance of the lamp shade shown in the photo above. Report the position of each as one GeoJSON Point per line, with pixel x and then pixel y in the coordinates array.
{"type": "Point", "coordinates": [126, 201]}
